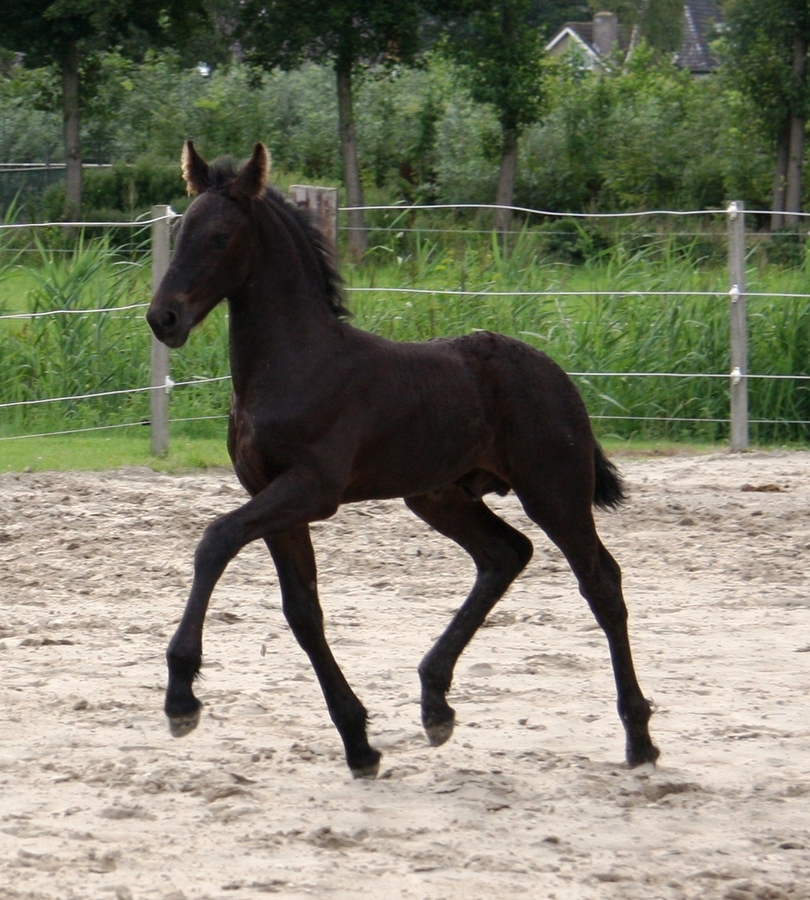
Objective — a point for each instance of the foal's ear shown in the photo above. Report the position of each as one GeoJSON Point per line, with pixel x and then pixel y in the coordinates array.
{"type": "Point", "coordinates": [195, 170]}
{"type": "Point", "coordinates": [252, 180]}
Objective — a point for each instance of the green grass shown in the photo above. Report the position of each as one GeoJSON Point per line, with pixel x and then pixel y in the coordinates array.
{"type": "Point", "coordinates": [16, 283]}
{"type": "Point", "coordinates": [614, 325]}
{"type": "Point", "coordinates": [100, 452]}
{"type": "Point", "coordinates": [626, 330]}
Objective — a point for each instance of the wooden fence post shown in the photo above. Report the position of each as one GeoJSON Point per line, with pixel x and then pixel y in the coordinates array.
{"type": "Point", "coordinates": [738, 326]}
{"type": "Point", "coordinates": [323, 204]}
{"type": "Point", "coordinates": [159, 396]}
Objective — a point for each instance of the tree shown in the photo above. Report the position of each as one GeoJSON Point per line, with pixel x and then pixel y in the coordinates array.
{"type": "Point", "coordinates": [551, 15]}
{"type": "Point", "coordinates": [213, 42]}
{"type": "Point", "coordinates": [68, 34]}
{"type": "Point", "coordinates": [765, 50]}
{"type": "Point", "coordinates": [500, 55]}
{"type": "Point", "coordinates": [346, 34]}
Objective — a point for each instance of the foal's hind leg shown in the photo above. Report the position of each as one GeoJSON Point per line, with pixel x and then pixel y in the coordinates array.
{"type": "Point", "coordinates": [569, 523]}
{"type": "Point", "coordinates": [500, 553]}
{"type": "Point", "coordinates": [295, 564]}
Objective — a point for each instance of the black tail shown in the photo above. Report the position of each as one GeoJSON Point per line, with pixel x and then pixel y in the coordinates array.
{"type": "Point", "coordinates": [608, 491]}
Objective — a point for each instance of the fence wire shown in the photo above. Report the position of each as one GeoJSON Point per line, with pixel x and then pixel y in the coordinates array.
{"type": "Point", "coordinates": [400, 208]}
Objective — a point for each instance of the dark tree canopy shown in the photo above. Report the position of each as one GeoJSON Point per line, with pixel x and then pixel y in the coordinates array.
{"type": "Point", "coordinates": [345, 34]}
{"type": "Point", "coordinates": [342, 33]}
{"type": "Point", "coordinates": [759, 38]}
{"type": "Point", "coordinates": [551, 15]}
{"type": "Point", "coordinates": [765, 48]}
{"type": "Point", "coordinates": [68, 34]}
{"type": "Point", "coordinates": [501, 55]}
{"type": "Point", "coordinates": [43, 29]}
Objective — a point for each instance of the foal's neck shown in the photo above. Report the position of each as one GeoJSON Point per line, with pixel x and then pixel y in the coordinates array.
{"type": "Point", "coordinates": [281, 319]}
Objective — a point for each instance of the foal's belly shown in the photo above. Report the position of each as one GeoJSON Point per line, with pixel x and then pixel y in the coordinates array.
{"type": "Point", "coordinates": [405, 463]}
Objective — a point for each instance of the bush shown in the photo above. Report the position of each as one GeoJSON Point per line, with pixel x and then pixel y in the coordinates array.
{"type": "Point", "coordinates": [786, 248]}
{"type": "Point", "coordinates": [572, 240]}
{"type": "Point", "coordinates": [645, 137]}
{"type": "Point", "coordinates": [640, 137]}
{"type": "Point", "coordinates": [120, 192]}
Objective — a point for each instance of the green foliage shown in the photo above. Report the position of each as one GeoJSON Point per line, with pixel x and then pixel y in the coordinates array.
{"type": "Point", "coordinates": [500, 57]}
{"type": "Point", "coordinates": [301, 110]}
{"type": "Point", "coordinates": [29, 128]}
{"type": "Point", "coordinates": [44, 29]}
{"type": "Point", "coordinates": [282, 34]}
{"type": "Point", "coordinates": [551, 15]}
{"type": "Point", "coordinates": [758, 45]}
{"type": "Point", "coordinates": [70, 34]}
{"type": "Point", "coordinates": [646, 136]}
{"type": "Point", "coordinates": [123, 192]}
{"type": "Point", "coordinates": [616, 311]}
{"type": "Point", "coordinates": [225, 111]}
{"type": "Point", "coordinates": [72, 353]}
{"type": "Point", "coordinates": [640, 137]}
{"type": "Point", "coordinates": [573, 240]}
{"type": "Point", "coordinates": [786, 248]}
{"type": "Point", "coordinates": [465, 164]}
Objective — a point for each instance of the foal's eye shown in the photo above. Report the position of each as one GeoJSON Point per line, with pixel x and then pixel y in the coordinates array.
{"type": "Point", "coordinates": [220, 241]}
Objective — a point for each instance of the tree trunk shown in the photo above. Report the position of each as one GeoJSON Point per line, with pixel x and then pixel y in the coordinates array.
{"type": "Point", "coordinates": [793, 190]}
{"type": "Point", "coordinates": [780, 176]}
{"type": "Point", "coordinates": [358, 238]}
{"type": "Point", "coordinates": [72, 122]}
{"type": "Point", "coordinates": [506, 181]}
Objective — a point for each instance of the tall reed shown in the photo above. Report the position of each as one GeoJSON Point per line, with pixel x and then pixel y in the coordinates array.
{"type": "Point", "coordinates": [633, 306]}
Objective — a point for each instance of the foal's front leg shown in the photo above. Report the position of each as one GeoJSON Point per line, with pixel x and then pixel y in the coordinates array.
{"type": "Point", "coordinates": [219, 544]}
{"type": "Point", "coordinates": [294, 498]}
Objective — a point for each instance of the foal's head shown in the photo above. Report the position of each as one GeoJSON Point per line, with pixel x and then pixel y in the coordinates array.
{"type": "Point", "coordinates": [213, 252]}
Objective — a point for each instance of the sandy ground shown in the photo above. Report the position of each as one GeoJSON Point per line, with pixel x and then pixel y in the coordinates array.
{"type": "Point", "coordinates": [530, 797]}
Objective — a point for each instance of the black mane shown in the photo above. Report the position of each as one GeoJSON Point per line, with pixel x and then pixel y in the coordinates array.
{"type": "Point", "coordinates": [221, 174]}
{"type": "Point", "coordinates": [304, 219]}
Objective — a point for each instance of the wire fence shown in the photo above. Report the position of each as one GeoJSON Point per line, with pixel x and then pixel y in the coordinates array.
{"type": "Point", "coordinates": [161, 385]}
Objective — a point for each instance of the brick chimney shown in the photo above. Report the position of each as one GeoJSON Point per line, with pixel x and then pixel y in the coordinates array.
{"type": "Point", "coordinates": [605, 32]}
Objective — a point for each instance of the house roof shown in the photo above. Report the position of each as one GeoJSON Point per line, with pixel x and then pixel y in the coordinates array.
{"type": "Point", "coordinates": [700, 21]}
{"type": "Point", "coordinates": [581, 33]}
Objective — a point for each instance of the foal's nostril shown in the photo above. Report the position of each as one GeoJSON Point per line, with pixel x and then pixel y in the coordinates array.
{"type": "Point", "coordinates": [163, 321]}
{"type": "Point", "coordinates": [168, 320]}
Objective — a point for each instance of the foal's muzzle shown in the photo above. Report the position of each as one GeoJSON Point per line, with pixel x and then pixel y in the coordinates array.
{"type": "Point", "coordinates": [167, 324]}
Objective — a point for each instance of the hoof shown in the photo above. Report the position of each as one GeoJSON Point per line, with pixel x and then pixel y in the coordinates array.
{"type": "Point", "coordinates": [369, 770]}
{"type": "Point", "coordinates": [180, 726]}
{"type": "Point", "coordinates": [642, 756]}
{"type": "Point", "coordinates": [439, 733]}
